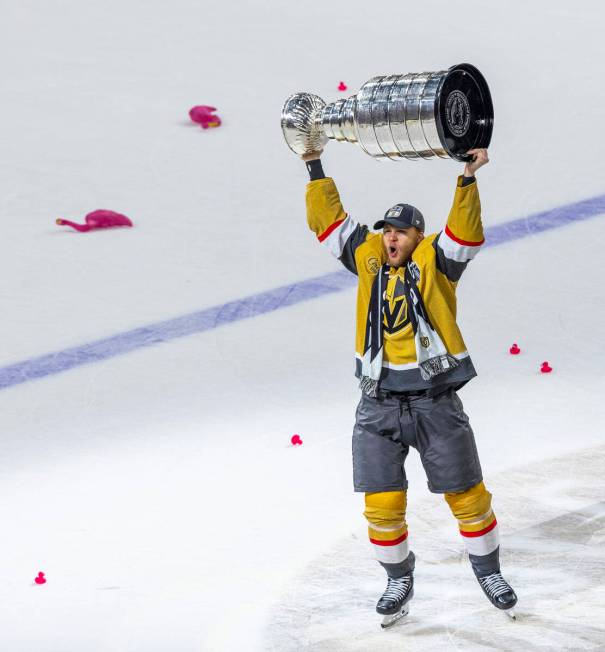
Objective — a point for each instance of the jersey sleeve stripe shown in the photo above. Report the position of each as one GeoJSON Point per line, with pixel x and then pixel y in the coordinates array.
{"type": "Point", "coordinates": [465, 243]}
{"type": "Point", "coordinates": [335, 236]}
{"type": "Point", "coordinates": [453, 248]}
{"type": "Point", "coordinates": [326, 234]}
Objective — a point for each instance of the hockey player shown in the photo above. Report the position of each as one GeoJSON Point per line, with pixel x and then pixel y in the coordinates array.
{"type": "Point", "coordinates": [411, 360]}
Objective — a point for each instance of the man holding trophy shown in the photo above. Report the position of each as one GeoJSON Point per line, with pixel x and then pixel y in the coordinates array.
{"type": "Point", "coordinates": [410, 355]}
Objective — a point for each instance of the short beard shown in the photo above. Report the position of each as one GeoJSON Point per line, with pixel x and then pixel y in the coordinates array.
{"type": "Point", "coordinates": [403, 258]}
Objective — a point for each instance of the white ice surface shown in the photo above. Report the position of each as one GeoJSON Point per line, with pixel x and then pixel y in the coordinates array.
{"type": "Point", "coordinates": [158, 490]}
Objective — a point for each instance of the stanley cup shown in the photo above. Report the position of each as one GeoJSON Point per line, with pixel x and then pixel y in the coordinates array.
{"type": "Point", "coordinates": [418, 115]}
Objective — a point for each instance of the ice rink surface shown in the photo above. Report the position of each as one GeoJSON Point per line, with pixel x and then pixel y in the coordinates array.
{"type": "Point", "coordinates": [152, 377]}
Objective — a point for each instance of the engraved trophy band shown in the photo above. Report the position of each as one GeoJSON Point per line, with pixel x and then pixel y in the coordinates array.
{"type": "Point", "coordinates": [419, 115]}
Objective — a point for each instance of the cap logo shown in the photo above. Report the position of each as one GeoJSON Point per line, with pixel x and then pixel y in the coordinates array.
{"type": "Point", "coordinates": [395, 211]}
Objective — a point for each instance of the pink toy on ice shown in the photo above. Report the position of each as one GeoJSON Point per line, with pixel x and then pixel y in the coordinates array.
{"type": "Point", "coordinates": [100, 219]}
{"type": "Point", "coordinates": [296, 440]}
{"type": "Point", "coordinates": [514, 349]}
{"type": "Point", "coordinates": [545, 368]}
{"type": "Point", "coordinates": [40, 579]}
{"type": "Point", "coordinates": [342, 86]}
{"type": "Point", "coordinates": [204, 116]}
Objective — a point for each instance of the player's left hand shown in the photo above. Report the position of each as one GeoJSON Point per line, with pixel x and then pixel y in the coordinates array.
{"type": "Point", "coordinates": [480, 159]}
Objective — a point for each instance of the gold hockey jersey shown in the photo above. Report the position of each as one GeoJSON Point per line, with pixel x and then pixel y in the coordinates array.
{"type": "Point", "coordinates": [441, 259]}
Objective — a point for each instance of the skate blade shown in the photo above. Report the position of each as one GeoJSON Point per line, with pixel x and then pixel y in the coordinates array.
{"type": "Point", "coordinates": [511, 614]}
{"type": "Point", "coordinates": [391, 619]}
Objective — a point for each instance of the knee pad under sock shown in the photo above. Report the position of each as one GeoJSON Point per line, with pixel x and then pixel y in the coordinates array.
{"type": "Point", "coordinates": [388, 532]}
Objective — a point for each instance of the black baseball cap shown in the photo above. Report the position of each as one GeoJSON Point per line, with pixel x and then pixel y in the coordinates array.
{"type": "Point", "coordinates": [402, 216]}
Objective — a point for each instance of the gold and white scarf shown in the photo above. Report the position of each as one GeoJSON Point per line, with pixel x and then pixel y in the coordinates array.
{"type": "Point", "coordinates": [431, 354]}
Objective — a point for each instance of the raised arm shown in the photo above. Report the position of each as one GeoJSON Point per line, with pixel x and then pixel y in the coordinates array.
{"type": "Point", "coordinates": [462, 237]}
{"type": "Point", "coordinates": [334, 229]}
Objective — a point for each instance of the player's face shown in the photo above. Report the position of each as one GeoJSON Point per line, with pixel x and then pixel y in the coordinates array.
{"type": "Point", "coordinates": [400, 243]}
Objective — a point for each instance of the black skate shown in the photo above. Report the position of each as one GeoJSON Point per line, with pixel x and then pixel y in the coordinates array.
{"type": "Point", "coordinates": [499, 592]}
{"type": "Point", "coordinates": [393, 604]}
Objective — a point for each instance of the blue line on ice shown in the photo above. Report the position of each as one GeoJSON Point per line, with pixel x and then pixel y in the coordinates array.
{"type": "Point", "coordinates": [258, 304]}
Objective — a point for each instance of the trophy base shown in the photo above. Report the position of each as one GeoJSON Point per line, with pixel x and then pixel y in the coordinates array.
{"type": "Point", "coordinates": [465, 114]}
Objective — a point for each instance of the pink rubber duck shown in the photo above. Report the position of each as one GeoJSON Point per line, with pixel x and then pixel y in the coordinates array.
{"type": "Point", "coordinates": [342, 86]}
{"type": "Point", "coordinates": [100, 219]}
{"type": "Point", "coordinates": [204, 116]}
{"type": "Point", "coordinates": [296, 440]}
{"type": "Point", "coordinates": [40, 579]}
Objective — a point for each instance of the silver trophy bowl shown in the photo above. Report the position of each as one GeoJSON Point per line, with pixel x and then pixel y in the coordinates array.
{"type": "Point", "coordinates": [419, 115]}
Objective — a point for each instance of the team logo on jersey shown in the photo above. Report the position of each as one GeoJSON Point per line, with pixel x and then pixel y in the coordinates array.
{"type": "Point", "coordinates": [396, 314]}
{"type": "Point", "coordinates": [425, 342]}
{"type": "Point", "coordinates": [373, 265]}
{"type": "Point", "coordinates": [457, 113]}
